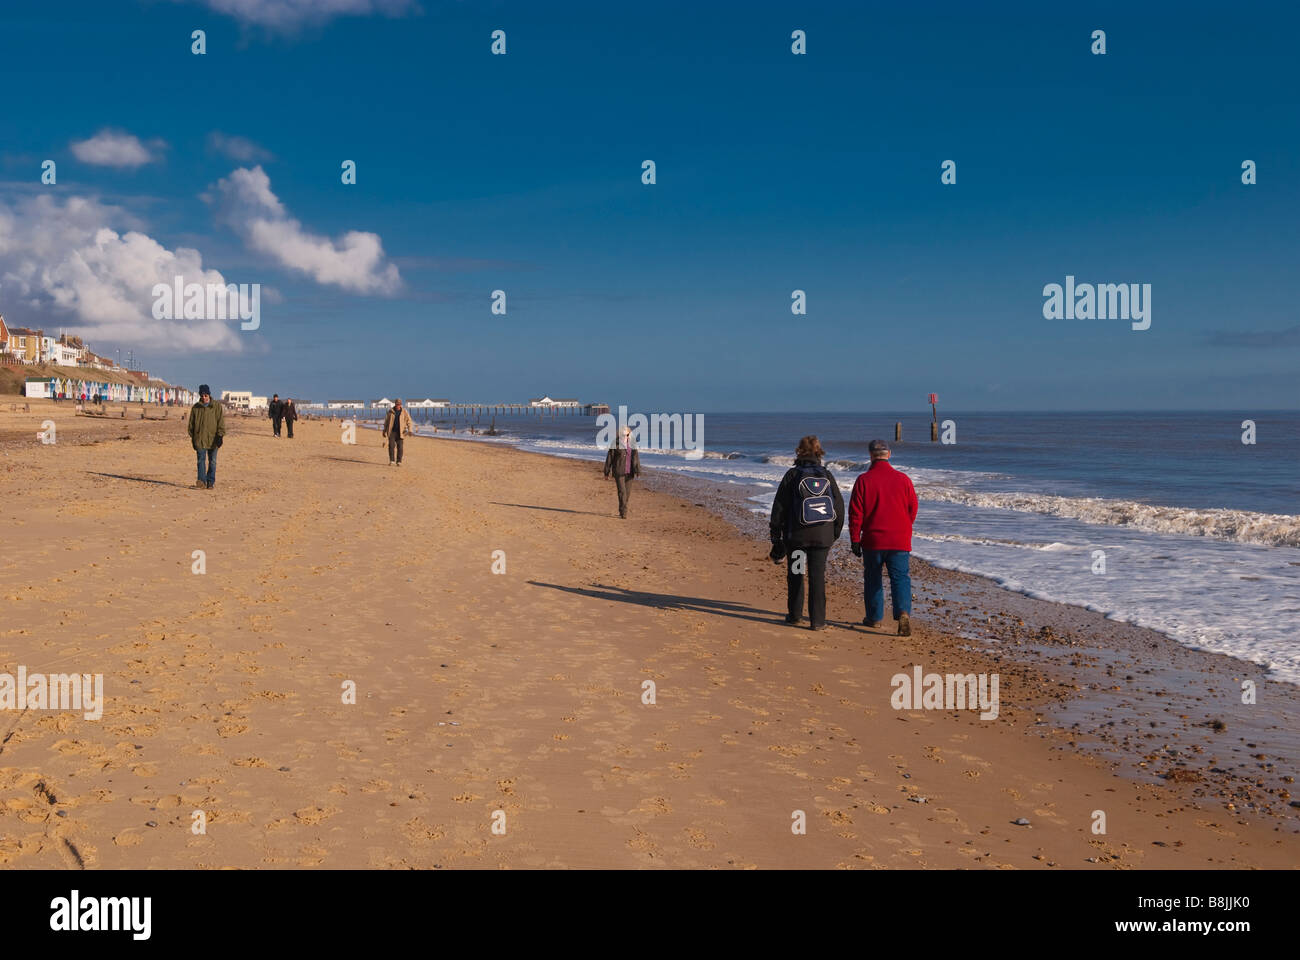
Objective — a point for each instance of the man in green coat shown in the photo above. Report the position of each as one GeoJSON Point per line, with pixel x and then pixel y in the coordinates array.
{"type": "Point", "coordinates": [207, 425]}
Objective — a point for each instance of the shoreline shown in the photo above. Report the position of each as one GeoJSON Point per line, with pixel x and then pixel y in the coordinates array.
{"type": "Point", "coordinates": [1084, 652]}
{"type": "Point", "coordinates": [522, 692]}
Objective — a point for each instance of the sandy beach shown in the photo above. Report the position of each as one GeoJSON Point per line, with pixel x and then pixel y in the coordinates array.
{"type": "Point", "coordinates": [515, 698]}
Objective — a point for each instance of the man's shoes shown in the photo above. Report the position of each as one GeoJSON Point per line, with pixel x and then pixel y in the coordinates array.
{"type": "Point", "coordinates": [211, 484]}
{"type": "Point", "coordinates": [904, 625]}
{"type": "Point", "coordinates": [200, 485]}
{"type": "Point", "coordinates": [874, 624]}
{"type": "Point", "coordinates": [821, 626]}
{"type": "Point", "coordinates": [793, 621]}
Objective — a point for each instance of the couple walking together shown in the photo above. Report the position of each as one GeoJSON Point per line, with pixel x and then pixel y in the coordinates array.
{"type": "Point", "coordinates": [808, 517]}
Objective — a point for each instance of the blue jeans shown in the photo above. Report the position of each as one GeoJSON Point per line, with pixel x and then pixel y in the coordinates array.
{"type": "Point", "coordinates": [900, 583]}
{"type": "Point", "coordinates": [210, 474]}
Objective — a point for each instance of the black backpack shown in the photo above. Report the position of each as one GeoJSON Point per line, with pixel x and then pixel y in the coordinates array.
{"type": "Point", "coordinates": [813, 504]}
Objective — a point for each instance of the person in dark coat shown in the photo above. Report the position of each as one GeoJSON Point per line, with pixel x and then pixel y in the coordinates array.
{"type": "Point", "coordinates": [207, 429]}
{"type": "Point", "coordinates": [290, 415]}
{"type": "Point", "coordinates": [275, 410]}
{"type": "Point", "coordinates": [623, 463]}
{"type": "Point", "coordinates": [807, 517]}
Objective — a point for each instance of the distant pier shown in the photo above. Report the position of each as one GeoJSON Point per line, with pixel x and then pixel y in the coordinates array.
{"type": "Point", "coordinates": [428, 410]}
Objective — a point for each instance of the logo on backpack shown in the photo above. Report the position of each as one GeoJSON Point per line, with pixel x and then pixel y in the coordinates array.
{"type": "Point", "coordinates": [815, 506]}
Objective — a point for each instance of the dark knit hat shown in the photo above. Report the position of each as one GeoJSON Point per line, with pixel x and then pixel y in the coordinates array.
{"type": "Point", "coordinates": [203, 388]}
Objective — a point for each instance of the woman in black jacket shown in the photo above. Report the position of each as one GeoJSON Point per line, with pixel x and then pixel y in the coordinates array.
{"type": "Point", "coordinates": [807, 517]}
{"type": "Point", "coordinates": [290, 413]}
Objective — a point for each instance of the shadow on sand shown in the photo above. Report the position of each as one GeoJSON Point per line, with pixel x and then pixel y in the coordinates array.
{"type": "Point", "coordinates": [533, 506]}
{"type": "Point", "coordinates": [122, 476]}
{"type": "Point", "coordinates": [373, 463]}
{"type": "Point", "coordinates": [668, 601]}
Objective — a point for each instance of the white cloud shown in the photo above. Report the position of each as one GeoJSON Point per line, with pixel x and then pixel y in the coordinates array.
{"type": "Point", "coordinates": [111, 148]}
{"type": "Point", "coordinates": [63, 263]}
{"type": "Point", "coordinates": [288, 14]}
{"type": "Point", "coordinates": [239, 149]}
{"type": "Point", "coordinates": [354, 262]}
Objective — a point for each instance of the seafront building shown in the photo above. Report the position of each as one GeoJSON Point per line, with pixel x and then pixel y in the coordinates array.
{"type": "Point", "coordinates": [68, 369]}
{"type": "Point", "coordinates": [87, 386]}
{"type": "Point", "coordinates": [243, 400]}
{"type": "Point", "coordinates": [538, 406]}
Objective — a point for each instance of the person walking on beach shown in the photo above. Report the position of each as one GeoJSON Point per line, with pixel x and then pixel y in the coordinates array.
{"type": "Point", "coordinates": [623, 463]}
{"type": "Point", "coordinates": [882, 509]}
{"type": "Point", "coordinates": [807, 517]}
{"type": "Point", "coordinates": [276, 411]}
{"type": "Point", "coordinates": [290, 415]}
{"type": "Point", "coordinates": [397, 425]}
{"type": "Point", "coordinates": [206, 427]}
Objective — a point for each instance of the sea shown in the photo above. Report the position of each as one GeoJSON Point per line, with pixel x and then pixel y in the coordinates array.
{"type": "Point", "coordinates": [1165, 520]}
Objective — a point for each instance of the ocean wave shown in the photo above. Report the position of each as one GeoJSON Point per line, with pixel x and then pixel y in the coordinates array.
{"type": "Point", "coordinates": [1054, 547]}
{"type": "Point", "coordinates": [1233, 526]}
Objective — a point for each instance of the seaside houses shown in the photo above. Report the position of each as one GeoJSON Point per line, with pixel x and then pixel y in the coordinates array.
{"type": "Point", "coordinates": [66, 351]}
{"type": "Point", "coordinates": [56, 386]}
{"type": "Point", "coordinates": [66, 368]}
{"type": "Point", "coordinates": [428, 404]}
{"type": "Point", "coordinates": [25, 344]}
{"type": "Point", "coordinates": [91, 359]}
{"type": "Point", "coordinates": [243, 400]}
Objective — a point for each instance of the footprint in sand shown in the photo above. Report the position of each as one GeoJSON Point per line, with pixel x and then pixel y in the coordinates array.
{"type": "Point", "coordinates": [314, 815]}
{"type": "Point", "coordinates": [312, 856]}
{"type": "Point", "coordinates": [698, 839]}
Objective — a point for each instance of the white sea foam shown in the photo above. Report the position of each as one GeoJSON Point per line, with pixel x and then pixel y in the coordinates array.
{"type": "Point", "coordinates": [1234, 526]}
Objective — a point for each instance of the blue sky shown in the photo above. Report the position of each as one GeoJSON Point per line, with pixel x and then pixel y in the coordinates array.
{"type": "Point", "coordinates": [775, 172]}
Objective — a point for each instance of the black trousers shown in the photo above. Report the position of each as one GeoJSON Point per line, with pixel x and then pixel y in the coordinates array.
{"type": "Point", "coordinates": [275, 422]}
{"type": "Point", "coordinates": [289, 425]}
{"type": "Point", "coordinates": [624, 484]}
{"type": "Point", "coordinates": [814, 562]}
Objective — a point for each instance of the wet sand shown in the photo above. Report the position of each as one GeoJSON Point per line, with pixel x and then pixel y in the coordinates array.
{"type": "Point", "coordinates": [516, 698]}
{"type": "Point", "coordinates": [1156, 708]}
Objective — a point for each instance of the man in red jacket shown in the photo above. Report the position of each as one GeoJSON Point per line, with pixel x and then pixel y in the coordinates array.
{"type": "Point", "coordinates": [882, 509]}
